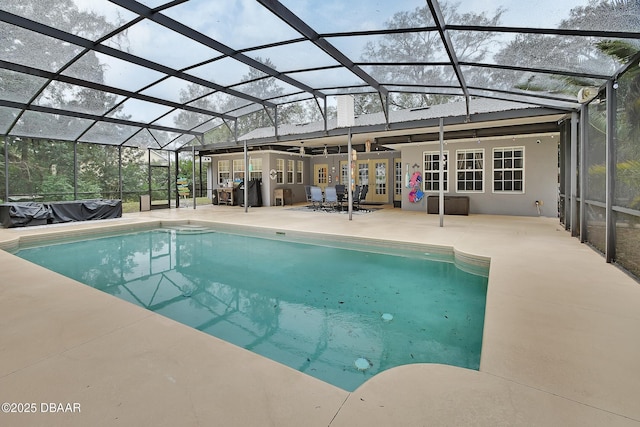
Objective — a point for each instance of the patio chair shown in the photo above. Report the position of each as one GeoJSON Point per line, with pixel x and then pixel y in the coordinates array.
{"type": "Point", "coordinates": [341, 191]}
{"type": "Point", "coordinates": [330, 198]}
{"type": "Point", "coordinates": [355, 196]}
{"type": "Point", "coordinates": [307, 192]}
{"type": "Point", "coordinates": [316, 197]}
{"type": "Point", "coordinates": [361, 196]}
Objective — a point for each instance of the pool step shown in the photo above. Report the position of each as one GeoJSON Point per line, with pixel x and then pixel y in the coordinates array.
{"type": "Point", "coordinates": [188, 229]}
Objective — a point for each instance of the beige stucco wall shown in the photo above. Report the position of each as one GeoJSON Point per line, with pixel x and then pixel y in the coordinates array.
{"type": "Point", "coordinates": [541, 176]}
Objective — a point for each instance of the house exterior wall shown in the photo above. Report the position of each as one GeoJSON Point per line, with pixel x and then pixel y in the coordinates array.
{"type": "Point", "coordinates": [333, 163]}
{"type": "Point", "coordinates": [540, 177]}
{"type": "Point", "coordinates": [270, 183]}
{"type": "Point", "coordinates": [269, 163]}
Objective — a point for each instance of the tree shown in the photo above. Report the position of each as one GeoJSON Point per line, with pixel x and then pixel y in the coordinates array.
{"type": "Point", "coordinates": [46, 166]}
{"type": "Point", "coordinates": [425, 47]}
{"type": "Point", "coordinates": [254, 83]}
{"type": "Point", "coordinates": [627, 173]}
{"type": "Point", "coordinates": [567, 53]}
{"type": "Point", "coordinates": [53, 54]}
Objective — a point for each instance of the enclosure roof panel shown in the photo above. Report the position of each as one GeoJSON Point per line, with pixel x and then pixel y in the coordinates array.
{"type": "Point", "coordinates": [158, 73]}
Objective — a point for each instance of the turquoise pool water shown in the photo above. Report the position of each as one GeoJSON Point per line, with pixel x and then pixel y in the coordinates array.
{"type": "Point", "coordinates": [338, 314]}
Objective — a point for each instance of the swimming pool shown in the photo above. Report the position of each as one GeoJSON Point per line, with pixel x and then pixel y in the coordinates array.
{"type": "Point", "coordinates": [339, 309]}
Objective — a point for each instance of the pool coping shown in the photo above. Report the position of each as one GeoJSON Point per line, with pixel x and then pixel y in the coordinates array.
{"type": "Point", "coordinates": [469, 263]}
{"type": "Point", "coordinates": [534, 368]}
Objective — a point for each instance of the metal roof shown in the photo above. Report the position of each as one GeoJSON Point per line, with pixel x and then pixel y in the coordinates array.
{"type": "Point", "coordinates": [157, 73]}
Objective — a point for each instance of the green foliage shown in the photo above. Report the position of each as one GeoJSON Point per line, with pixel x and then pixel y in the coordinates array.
{"type": "Point", "coordinates": [628, 183]}
{"type": "Point", "coordinates": [57, 187]}
{"type": "Point", "coordinates": [185, 170]}
{"type": "Point", "coordinates": [185, 167]}
{"type": "Point", "coordinates": [623, 51]}
{"type": "Point", "coordinates": [45, 168]}
{"type": "Point", "coordinates": [67, 16]}
{"type": "Point", "coordinates": [571, 53]}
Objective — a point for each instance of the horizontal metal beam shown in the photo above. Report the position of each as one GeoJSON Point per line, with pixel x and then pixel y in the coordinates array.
{"type": "Point", "coordinates": [104, 88]}
{"type": "Point", "coordinates": [583, 32]}
{"type": "Point", "coordinates": [525, 129]}
{"type": "Point", "coordinates": [411, 126]}
{"type": "Point", "coordinates": [526, 98]}
{"type": "Point", "coordinates": [491, 29]}
{"type": "Point", "coordinates": [77, 114]}
{"type": "Point", "coordinates": [537, 70]}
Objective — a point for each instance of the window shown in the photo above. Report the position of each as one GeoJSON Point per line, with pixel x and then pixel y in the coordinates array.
{"type": "Point", "coordinates": [508, 170]}
{"type": "Point", "coordinates": [380, 169]}
{"type": "Point", "coordinates": [397, 183]}
{"type": "Point", "coordinates": [363, 173]}
{"type": "Point", "coordinates": [255, 168]}
{"type": "Point", "coordinates": [290, 170]}
{"type": "Point", "coordinates": [279, 171]}
{"type": "Point", "coordinates": [300, 172]}
{"type": "Point", "coordinates": [432, 170]}
{"type": "Point", "coordinates": [224, 173]}
{"type": "Point", "coordinates": [470, 170]}
{"type": "Point", "coordinates": [238, 170]}
{"type": "Point", "coordinates": [344, 172]}
{"type": "Point", "coordinates": [321, 174]}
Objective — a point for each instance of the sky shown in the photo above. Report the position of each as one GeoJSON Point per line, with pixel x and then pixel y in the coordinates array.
{"type": "Point", "coordinates": [220, 19]}
{"type": "Point", "coordinates": [545, 13]}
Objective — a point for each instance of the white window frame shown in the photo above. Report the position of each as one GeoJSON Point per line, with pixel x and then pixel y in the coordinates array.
{"type": "Point", "coordinates": [238, 170]}
{"type": "Point", "coordinates": [344, 172]}
{"type": "Point", "coordinates": [224, 171]}
{"type": "Point", "coordinates": [363, 172]}
{"type": "Point", "coordinates": [426, 172]}
{"type": "Point", "coordinates": [300, 172]}
{"type": "Point", "coordinates": [397, 183]}
{"type": "Point", "coordinates": [255, 171]}
{"type": "Point", "coordinates": [290, 171]}
{"type": "Point", "coordinates": [473, 169]}
{"type": "Point", "coordinates": [279, 171]}
{"type": "Point", "coordinates": [506, 168]}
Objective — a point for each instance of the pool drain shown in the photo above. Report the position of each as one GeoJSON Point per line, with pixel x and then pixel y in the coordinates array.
{"type": "Point", "coordinates": [362, 363]}
{"type": "Point", "coordinates": [387, 317]}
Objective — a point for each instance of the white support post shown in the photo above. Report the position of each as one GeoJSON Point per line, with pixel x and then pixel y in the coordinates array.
{"type": "Point", "coordinates": [441, 175]}
{"type": "Point", "coordinates": [246, 178]}
{"type": "Point", "coordinates": [350, 180]}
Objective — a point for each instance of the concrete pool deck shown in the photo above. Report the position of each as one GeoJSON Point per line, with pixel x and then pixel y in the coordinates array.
{"type": "Point", "coordinates": [561, 340]}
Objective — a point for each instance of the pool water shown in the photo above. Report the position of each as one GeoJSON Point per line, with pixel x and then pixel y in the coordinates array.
{"type": "Point", "coordinates": [338, 314]}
